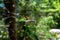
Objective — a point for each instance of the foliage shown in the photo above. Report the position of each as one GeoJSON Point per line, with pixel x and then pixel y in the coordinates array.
{"type": "Point", "coordinates": [45, 12]}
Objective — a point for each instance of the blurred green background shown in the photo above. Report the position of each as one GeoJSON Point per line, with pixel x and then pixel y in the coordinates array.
{"type": "Point", "coordinates": [44, 13]}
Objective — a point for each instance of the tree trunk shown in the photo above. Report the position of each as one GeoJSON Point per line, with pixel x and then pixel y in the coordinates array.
{"type": "Point", "coordinates": [10, 18]}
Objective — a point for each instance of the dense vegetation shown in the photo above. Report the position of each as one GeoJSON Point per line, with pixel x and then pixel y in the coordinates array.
{"type": "Point", "coordinates": [34, 19]}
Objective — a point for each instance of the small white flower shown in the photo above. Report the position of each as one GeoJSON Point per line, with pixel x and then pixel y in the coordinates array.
{"type": "Point", "coordinates": [2, 31]}
{"type": "Point", "coordinates": [0, 36]}
{"type": "Point", "coordinates": [13, 5]}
